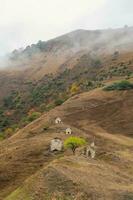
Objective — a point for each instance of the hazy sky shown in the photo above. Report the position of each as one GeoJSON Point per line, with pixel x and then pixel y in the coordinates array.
{"type": "Point", "coordinates": [24, 22]}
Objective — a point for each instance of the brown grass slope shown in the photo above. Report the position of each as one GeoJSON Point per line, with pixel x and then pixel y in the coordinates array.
{"type": "Point", "coordinates": [29, 171]}
{"type": "Point", "coordinates": [17, 78]}
{"type": "Point", "coordinates": [89, 56]}
{"type": "Point", "coordinates": [28, 64]}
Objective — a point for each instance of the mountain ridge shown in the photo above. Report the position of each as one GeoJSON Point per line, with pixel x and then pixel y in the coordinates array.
{"type": "Point", "coordinates": [81, 39]}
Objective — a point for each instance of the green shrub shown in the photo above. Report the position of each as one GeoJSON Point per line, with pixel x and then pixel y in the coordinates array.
{"type": "Point", "coordinates": [2, 137]}
{"type": "Point", "coordinates": [96, 63]}
{"type": "Point", "coordinates": [122, 85]}
{"type": "Point", "coordinates": [33, 116]}
{"type": "Point", "coordinates": [30, 118]}
{"type": "Point", "coordinates": [73, 143]}
{"type": "Point", "coordinates": [8, 131]}
{"type": "Point", "coordinates": [15, 127]}
{"type": "Point", "coordinates": [49, 107]}
{"type": "Point", "coordinates": [58, 102]}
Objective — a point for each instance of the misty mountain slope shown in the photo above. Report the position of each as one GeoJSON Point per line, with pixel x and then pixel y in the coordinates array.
{"type": "Point", "coordinates": [42, 58]}
{"type": "Point", "coordinates": [37, 60]}
{"type": "Point", "coordinates": [25, 156]}
{"type": "Point", "coordinates": [83, 39]}
{"type": "Point", "coordinates": [20, 92]}
{"type": "Point", "coordinates": [97, 42]}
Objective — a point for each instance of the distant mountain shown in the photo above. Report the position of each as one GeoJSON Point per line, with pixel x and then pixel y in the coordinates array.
{"type": "Point", "coordinates": [97, 41]}
{"type": "Point", "coordinates": [46, 57]}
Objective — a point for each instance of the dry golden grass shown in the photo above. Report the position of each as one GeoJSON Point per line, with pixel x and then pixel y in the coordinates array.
{"type": "Point", "coordinates": [27, 165]}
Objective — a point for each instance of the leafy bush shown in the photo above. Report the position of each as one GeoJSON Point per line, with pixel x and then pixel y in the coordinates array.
{"type": "Point", "coordinates": [49, 107]}
{"type": "Point", "coordinates": [73, 143]}
{"type": "Point", "coordinates": [2, 136]}
{"type": "Point", "coordinates": [74, 88]}
{"type": "Point", "coordinates": [96, 63]}
{"type": "Point", "coordinates": [4, 122]}
{"type": "Point", "coordinates": [8, 132]}
{"type": "Point", "coordinates": [33, 116]}
{"type": "Point", "coordinates": [58, 102]}
{"type": "Point", "coordinates": [123, 85]}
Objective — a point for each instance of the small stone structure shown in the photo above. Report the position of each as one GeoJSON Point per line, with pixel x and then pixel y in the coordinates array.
{"type": "Point", "coordinates": [68, 131]}
{"type": "Point", "coordinates": [90, 151]}
{"type": "Point", "coordinates": [56, 144]}
{"type": "Point", "coordinates": [92, 145]}
{"type": "Point", "coordinates": [58, 120]}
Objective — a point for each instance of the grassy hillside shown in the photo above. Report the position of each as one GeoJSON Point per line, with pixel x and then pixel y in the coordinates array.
{"type": "Point", "coordinates": [44, 75]}
{"type": "Point", "coordinates": [23, 100]}
{"type": "Point", "coordinates": [30, 171]}
{"type": "Point", "coordinates": [86, 79]}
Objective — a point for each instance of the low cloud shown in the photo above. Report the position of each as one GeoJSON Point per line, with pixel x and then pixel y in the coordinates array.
{"type": "Point", "coordinates": [26, 22]}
